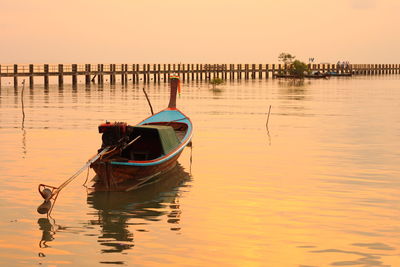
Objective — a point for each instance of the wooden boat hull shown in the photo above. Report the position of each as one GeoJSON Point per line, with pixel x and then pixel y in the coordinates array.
{"type": "Point", "coordinates": [340, 74]}
{"type": "Point", "coordinates": [311, 76]}
{"type": "Point", "coordinates": [115, 177]}
{"type": "Point", "coordinates": [317, 76]}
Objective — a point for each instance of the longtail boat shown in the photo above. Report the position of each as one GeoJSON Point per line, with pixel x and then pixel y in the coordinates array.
{"type": "Point", "coordinates": [137, 154]}
{"type": "Point", "coordinates": [338, 74]}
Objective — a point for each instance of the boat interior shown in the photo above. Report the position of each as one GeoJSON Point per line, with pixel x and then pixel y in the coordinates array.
{"type": "Point", "coordinates": [156, 140]}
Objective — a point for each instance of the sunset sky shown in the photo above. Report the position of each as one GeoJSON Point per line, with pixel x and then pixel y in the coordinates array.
{"type": "Point", "coordinates": [207, 31]}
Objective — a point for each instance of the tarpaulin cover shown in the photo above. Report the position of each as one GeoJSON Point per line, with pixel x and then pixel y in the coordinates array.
{"type": "Point", "coordinates": [169, 140]}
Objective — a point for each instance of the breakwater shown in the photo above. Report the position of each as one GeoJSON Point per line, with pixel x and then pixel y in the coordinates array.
{"type": "Point", "coordinates": [146, 73]}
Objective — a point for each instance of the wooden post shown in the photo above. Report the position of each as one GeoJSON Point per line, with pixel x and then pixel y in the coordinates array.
{"type": "Point", "coordinates": [165, 72]}
{"type": "Point", "coordinates": [122, 72]}
{"type": "Point", "coordinates": [111, 73]}
{"type": "Point", "coordinates": [31, 77]}
{"type": "Point", "coordinates": [144, 73]}
{"type": "Point", "coordinates": [154, 73]}
{"type": "Point", "coordinates": [114, 73]}
{"type": "Point", "coordinates": [266, 71]}
{"type": "Point", "coordinates": [15, 76]}
{"type": "Point", "coordinates": [60, 75]}
{"type": "Point", "coordinates": [74, 74]}
{"type": "Point", "coordinates": [126, 73]}
{"type": "Point", "coordinates": [100, 77]}
{"type": "Point", "coordinates": [148, 73]}
{"type": "Point", "coordinates": [158, 73]}
{"type": "Point", "coordinates": [273, 70]}
{"type": "Point", "coordinates": [183, 72]}
{"type": "Point", "coordinates": [133, 73]}
{"type": "Point", "coordinates": [201, 72]}
{"type": "Point", "coordinates": [137, 70]}
{"type": "Point", "coordinates": [0, 78]}
{"type": "Point", "coordinates": [87, 73]}
{"type": "Point", "coordinates": [224, 73]}
{"type": "Point", "coordinates": [46, 75]}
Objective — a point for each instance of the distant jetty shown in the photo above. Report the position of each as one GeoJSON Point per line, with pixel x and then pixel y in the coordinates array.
{"type": "Point", "coordinates": [146, 73]}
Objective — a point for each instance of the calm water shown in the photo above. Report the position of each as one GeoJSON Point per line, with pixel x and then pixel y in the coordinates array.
{"type": "Point", "coordinates": [320, 188]}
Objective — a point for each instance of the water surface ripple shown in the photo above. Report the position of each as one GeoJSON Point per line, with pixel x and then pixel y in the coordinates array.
{"type": "Point", "coordinates": [319, 187]}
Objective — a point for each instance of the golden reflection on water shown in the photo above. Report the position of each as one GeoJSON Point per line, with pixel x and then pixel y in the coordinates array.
{"type": "Point", "coordinates": [318, 187]}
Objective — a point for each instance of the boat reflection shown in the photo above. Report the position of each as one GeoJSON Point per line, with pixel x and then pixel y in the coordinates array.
{"type": "Point", "coordinates": [120, 213]}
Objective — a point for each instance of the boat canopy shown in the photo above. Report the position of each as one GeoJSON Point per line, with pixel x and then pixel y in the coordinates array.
{"type": "Point", "coordinates": [166, 135]}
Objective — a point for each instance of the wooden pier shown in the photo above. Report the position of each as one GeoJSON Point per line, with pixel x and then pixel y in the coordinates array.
{"type": "Point", "coordinates": [146, 73]}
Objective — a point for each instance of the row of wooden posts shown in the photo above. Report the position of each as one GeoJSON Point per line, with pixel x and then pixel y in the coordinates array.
{"type": "Point", "coordinates": [160, 72]}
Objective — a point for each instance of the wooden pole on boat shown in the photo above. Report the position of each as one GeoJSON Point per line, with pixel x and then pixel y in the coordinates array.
{"type": "Point", "coordinates": [174, 87]}
{"type": "Point", "coordinates": [148, 101]}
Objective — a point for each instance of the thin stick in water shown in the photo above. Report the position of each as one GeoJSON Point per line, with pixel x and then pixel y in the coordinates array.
{"type": "Point", "coordinates": [148, 101]}
{"type": "Point", "coordinates": [269, 112]}
{"type": "Point", "coordinates": [22, 101]}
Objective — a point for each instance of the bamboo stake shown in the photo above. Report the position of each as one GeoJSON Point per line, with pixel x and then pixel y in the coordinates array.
{"type": "Point", "coordinates": [22, 102]}
{"type": "Point", "coordinates": [269, 112]}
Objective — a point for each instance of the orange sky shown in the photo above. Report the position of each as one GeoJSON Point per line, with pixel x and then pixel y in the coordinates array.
{"type": "Point", "coordinates": [206, 31]}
